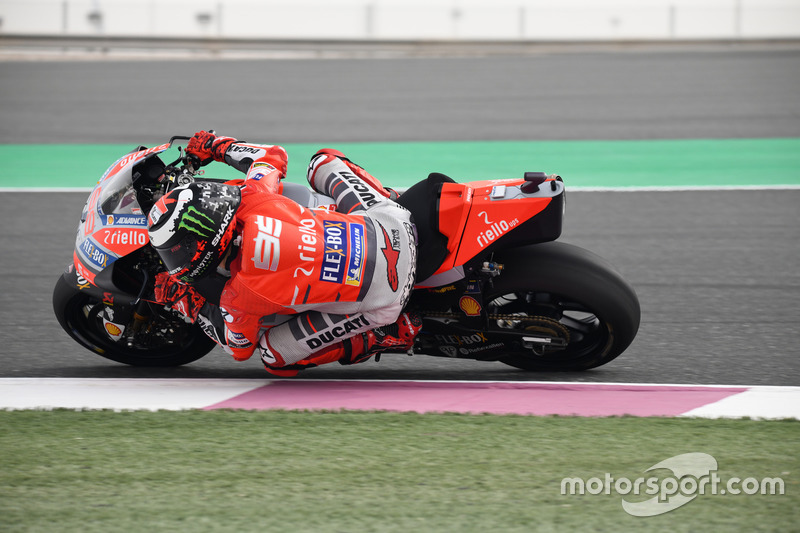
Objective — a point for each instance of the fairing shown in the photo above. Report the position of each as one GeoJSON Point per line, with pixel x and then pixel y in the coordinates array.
{"type": "Point", "coordinates": [482, 216]}
{"type": "Point", "coordinates": [113, 223]}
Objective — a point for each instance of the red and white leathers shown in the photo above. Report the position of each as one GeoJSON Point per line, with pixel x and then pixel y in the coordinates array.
{"type": "Point", "coordinates": [305, 280]}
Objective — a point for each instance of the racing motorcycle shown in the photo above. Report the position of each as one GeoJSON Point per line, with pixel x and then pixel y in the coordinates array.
{"type": "Point", "coordinates": [491, 285]}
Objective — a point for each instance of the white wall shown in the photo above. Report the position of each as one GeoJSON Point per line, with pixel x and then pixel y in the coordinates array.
{"type": "Point", "coordinates": [406, 19]}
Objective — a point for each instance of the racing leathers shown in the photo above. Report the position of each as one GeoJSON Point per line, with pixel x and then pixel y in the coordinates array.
{"type": "Point", "coordinates": [311, 281]}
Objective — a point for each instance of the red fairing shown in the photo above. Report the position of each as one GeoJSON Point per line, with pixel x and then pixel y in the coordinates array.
{"type": "Point", "coordinates": [131, 158]}
{"type": "Point", "coordinates": [472, 220]}
{"type": "Point", "coordinates": [81, 269]}
{"type": "Point", "coordinates": [113, 224]}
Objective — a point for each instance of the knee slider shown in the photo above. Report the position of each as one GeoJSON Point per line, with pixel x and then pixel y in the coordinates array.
{"type": "Point", "coordinates": [331, 151]}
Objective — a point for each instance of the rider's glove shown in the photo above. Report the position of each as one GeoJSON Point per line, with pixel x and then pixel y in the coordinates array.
{"type": "Point", "coordinates": [178, 296]}
{"type": "Point", "coordinates": [206, 146]}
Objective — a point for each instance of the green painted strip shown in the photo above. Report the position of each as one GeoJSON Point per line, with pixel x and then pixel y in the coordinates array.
{"type": "Point", "coordinates": [613, 164]}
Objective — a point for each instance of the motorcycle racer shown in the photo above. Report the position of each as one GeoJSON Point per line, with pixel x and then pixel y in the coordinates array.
{"type": "Point", "coordinates": [307, 286]}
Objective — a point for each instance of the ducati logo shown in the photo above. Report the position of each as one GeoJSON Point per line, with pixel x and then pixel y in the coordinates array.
{"type": "Point", "coordinates": [342, 330]}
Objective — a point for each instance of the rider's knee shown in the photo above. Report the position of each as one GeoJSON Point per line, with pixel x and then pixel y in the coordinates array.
{"type": "Point", "coordinates": [384, 315]}
{"type": "Point", "coordinates": [330, 151]}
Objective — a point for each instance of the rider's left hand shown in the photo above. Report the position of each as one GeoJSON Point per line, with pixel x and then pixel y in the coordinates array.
{"type": "Point", "coordinates": [178, 296]}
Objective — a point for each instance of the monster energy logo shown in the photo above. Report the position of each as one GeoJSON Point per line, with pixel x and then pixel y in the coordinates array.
{"type": "Point", "coordinates": [196, 222]}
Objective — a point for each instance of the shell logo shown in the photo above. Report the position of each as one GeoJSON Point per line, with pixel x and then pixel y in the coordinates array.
{"type": "Point", "coordinates": [113, 330]}
{"type": "Point", "coordinates": [470, 306]}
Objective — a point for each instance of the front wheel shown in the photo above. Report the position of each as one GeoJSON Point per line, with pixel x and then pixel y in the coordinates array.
{"type": "Point", "coordinates": [164, 340]}
{"type": "Point", "coordinates": [574, 309]}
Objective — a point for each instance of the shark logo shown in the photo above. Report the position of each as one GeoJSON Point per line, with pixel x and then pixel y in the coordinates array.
{"type": "Point", "coordinates": [197, 222]}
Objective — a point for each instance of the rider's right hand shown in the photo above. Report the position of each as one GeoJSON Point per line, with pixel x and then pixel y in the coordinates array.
{"type": "Point", "coordinates": [206, 146]}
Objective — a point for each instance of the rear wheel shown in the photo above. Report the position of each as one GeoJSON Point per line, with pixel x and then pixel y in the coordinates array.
{"type": "Point", "coordinates": [163, 340]}
{"type": "Point", "coordinates": [576, 310]}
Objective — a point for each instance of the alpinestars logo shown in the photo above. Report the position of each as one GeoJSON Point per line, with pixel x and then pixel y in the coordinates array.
{"type": "Point", "coordinates": [196, 222]}
{"type": "Point", "coordinates": [391, 251]}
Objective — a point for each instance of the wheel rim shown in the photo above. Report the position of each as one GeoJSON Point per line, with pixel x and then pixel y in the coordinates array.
{"type": "Point", "coordinates": [579, 328]}
{"type": "Point", "coordinates": [170, 337]}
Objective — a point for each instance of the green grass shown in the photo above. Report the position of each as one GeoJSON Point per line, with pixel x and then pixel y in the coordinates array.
{"type": "Point", "coordinates": [353, 471]}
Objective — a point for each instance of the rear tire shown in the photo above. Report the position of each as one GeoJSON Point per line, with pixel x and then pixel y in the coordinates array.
{"type": "Point", "coordinates": [175, 343]}
{"type": "Point", "coordinates": [596, 310]}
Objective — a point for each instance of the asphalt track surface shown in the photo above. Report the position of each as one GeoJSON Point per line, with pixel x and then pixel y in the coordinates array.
{"type": "Point", "coordinates": [716, 271]}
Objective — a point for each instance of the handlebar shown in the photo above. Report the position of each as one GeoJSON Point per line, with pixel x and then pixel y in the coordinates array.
{"type": "Point", "coordinates": [193, 162]}
{"type": "Point", "coordinates": [155, 178]}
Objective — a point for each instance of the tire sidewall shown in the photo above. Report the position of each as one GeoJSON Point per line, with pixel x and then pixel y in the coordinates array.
{"type": "Point", "coordinates": [67, 298]}
{"type": "Point", "coordinates": [577, 274]}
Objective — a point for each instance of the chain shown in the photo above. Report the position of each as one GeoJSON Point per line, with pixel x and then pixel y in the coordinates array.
{"type": "Point", "coordinates": [436, 314]}
{"type": "Point", "coordinates": [515, 318]}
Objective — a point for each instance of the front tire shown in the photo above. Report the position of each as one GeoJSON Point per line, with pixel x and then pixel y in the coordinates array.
{"type": "Point", "coordinates": [168, 341]}
{"type": "Point", "coordinates": [569, 294]}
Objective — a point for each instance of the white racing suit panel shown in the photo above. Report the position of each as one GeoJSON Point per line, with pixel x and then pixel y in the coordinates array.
{"type": "Point", "coordinates": [391, 254]}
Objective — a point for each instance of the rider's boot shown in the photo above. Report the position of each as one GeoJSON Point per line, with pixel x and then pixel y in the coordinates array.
{"type": "Point", "coordinates": [397, 336]}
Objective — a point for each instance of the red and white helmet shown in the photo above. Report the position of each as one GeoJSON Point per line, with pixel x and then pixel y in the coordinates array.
{"type": "Point", "coordinates": [192, 226]}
